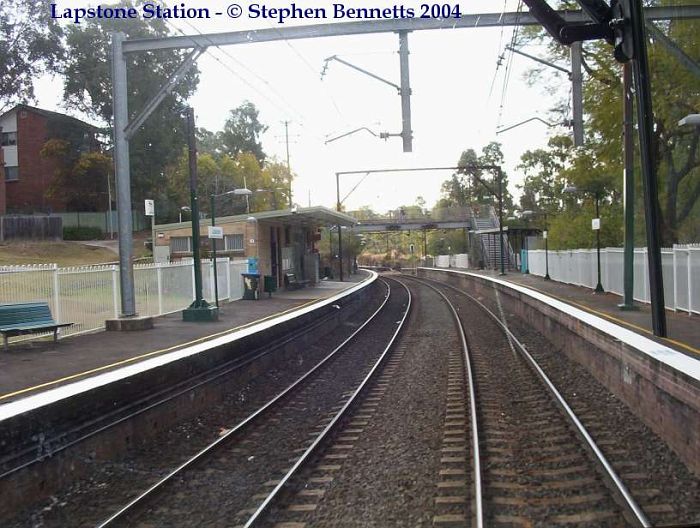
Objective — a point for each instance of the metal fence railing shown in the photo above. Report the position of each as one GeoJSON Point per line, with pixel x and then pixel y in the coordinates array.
{"type": "Point", "coordinates": [88, 295]}
{"type": "Point", "coordinates": [680, 266]}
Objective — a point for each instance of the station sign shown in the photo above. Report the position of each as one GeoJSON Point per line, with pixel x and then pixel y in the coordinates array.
{"type": "Point", "coordinates": [216, 232]}
{"type": "Point", "coordinates": [544, 235]}
{"type": "Point", "coordinates": [149, 207]}
{"type": "Point", "coordinates": [595, 224]}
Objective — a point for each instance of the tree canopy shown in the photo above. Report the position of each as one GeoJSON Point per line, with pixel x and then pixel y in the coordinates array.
{"type": "Point", "coordinates": [88, 87]}
{"type": "Point", "coordinates": [30, 45]}
{"type": "Point", "coordinates": [598, 165]}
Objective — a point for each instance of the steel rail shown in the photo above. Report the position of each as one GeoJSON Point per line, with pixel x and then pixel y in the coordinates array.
{"type": "Point", "coordinates": [142, 497]}
{"type": "Point", "coordinates": [258, 514]}
{"type": "Point", "coordinates": [619, 487]}
{"type": "Point", "coordinates": [156, 400]}
{"type": "Point", "coordinates": [476, 453]}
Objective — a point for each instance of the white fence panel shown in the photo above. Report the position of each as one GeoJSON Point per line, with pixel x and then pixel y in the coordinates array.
{"type": "Point", "coordinates": [442, 261]}
{"type": "Point", "coordinates": [89, 295]}
{"type": "Point", "coordinates": [680, 268]}
{"type": "Point", "coordinates": [694, 278]}
{"type": "Point", "coordinates": [86, 297]}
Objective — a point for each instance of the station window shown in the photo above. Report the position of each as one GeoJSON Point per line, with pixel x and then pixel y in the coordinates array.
{"type": "Point", "coordinates": [233, 242]}
{"type": "Point", "coordinates": [181, 244]}
{"type": "Point", "coordinates": [8, 139]}
{"type": "Point", "coordinates": [11, 173]}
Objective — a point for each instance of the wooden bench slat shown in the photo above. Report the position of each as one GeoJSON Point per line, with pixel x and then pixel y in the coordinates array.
{"type": "Point", "coordinates": [24, 318]}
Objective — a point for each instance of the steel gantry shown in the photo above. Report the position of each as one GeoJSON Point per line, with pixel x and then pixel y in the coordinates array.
{"type": "Point", "coordinates": [123, 128]}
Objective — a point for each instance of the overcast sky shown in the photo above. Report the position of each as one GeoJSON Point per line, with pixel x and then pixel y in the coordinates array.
{"type": "Point", "coordinates": [454, 105]}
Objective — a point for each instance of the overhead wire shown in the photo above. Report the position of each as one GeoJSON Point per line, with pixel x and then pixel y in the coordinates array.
{"type": "Point", "coordinates": [509, 65]}
{"type": "Point", "coordinates": [237, 74]}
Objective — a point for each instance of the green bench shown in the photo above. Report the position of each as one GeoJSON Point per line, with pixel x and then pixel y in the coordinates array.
{"type": "Point", "coordinates": [27, 318]}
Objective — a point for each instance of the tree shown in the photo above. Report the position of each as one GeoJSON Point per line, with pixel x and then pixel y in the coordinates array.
{"type": "Point", "coordinates": [676, 93]}
{"type": "Point", "coordinates": [465, 187]}
{"type": "Point", "coordinates": [80, 178]}
{"type": "Point", "coordinates": [30, 45]}
{"type": "Point", "coordinates": [543, 169]}
{"type": "Point", "coordinates": [88, 87]}
{"type": "Point", "coordinates": [242, 132]}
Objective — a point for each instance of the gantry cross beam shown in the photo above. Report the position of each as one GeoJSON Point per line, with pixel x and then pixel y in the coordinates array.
{"type": "Point", "coordinates": [121, 46]}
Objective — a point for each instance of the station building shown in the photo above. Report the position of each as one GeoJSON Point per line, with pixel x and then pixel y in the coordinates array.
{"type": "Point", "coordinates": [284, 241]}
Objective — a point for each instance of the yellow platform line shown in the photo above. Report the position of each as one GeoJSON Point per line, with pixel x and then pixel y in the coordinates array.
{"type": "Point", "coordinates": [614, 319]}
{"type": "Point", "coordinates": [153, 353]}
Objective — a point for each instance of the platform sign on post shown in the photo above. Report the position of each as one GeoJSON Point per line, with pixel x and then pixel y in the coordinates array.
{"type": "Point", "coordinates": [544, 235]}
{"type": "Point", "coordinates": [149, 207]}
{"type": "Point", "coordinates": [216, 232]}
{"type": "Point", "coordinates": [595, 224]}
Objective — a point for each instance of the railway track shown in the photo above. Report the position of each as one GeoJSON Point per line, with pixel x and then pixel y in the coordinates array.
{"type": "Point", "coordinates": [540, 465]}
{"type": "Point", "coordinates": [404, 455]}
{"type": "Point", "coordinates": [235, 478]}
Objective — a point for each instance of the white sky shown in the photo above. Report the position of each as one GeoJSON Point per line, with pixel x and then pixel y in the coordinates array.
{"type": "Point", "coordinates": [451, 74]}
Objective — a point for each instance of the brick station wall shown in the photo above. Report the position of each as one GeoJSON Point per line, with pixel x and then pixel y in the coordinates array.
{"type": "Point", "coordinates": [665, 399]}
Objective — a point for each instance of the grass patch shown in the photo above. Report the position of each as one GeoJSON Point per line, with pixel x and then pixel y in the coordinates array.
{"type": "Point", "coordinates": [62, 253]}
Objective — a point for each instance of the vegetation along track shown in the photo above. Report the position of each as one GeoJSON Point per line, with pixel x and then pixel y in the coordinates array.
{"type": "Point", "coordinates": [541, 466]}
{"type": "Point", "coordinates": [226, 481]}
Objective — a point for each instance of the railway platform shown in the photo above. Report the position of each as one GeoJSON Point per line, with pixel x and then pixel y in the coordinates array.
{"type": "Point", "coordinates": [683, 329]}
{"type": "Point", "coordinates": [37, 364]}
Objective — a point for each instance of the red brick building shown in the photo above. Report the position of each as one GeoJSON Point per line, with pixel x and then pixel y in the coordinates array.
{"type": "Point", "coordinates": [26, 175]}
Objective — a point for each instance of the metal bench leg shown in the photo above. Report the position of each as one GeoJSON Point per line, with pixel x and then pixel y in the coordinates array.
{"type": "Point", "coordinates": [55, 335]}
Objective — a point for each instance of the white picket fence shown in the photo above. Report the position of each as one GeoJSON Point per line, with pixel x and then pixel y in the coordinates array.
{"type": "Point", "coordinates": [680, 266]}
{"type": "Point", "coordinates": [88, 295]}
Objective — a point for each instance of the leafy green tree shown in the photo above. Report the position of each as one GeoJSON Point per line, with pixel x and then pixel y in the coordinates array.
{"type": "Point", "coordinates": [676, 93]}
{"type": "Point", "coordinates": [30, 45]}
{"type": "Point", "coordinates": [242, 132]}
{"type": "Point", "coordinates": [88, 87]}
{"type": "Point", "coordinates": [465, 187]}
{"type": "Point", "coordinates": [80, 178]}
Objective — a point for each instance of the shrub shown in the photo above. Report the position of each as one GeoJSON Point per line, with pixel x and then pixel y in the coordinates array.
{"type": "Point", "coordinates": [82, 233]}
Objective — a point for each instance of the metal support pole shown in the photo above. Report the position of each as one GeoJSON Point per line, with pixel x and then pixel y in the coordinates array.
{"type": "Point", "coordinates": [599, 286]}
{"type": "Point", "coordinates": [340, 241]}
{"type": "Point", "coordinates": [546, 250]}
{"type": "Point", "coordinates": [527, 247]}
{"type": "Point", "coordinates": [340, 252]}
{"type": "Point", "coordinates": [194, 205]}
{"type": "Point", "coordinates": [289, 169]}
{"type": "Point", "coordinates": [213, 251]}
{"type": "Point", "coordinates": [628, 131]}
{"type": "Point", "coordinates": [642, 84]}
{"type": "Point", "coordinates": [577, 92]}
{"type": "Point", "coordinates": [406, 131]}
{"type": "Point", "coordinates": [123, 178]}
{"type": "Point", "coordinates": [499, 173]}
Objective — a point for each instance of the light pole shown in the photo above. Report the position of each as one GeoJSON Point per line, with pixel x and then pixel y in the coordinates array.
{"type": "Point", "coordinates": [526, 217]}
{"type": "Point", "coordinates": [213, 197]}
{"type": "Point", "coordinates": [596, 226]}
{"type": "Point", "coordinates": [183, 208]}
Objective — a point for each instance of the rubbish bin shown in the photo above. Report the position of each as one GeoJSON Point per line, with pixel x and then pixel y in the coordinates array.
{"type": "Point", "coordinates": [251, 286]}
{"type": "Point", "coordinates": [269, 284]}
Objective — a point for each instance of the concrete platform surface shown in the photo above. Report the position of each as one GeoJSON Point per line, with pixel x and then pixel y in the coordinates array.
{"type": "Point", "coordinates": [683, 329]}
{"type": "Point", "coordinates": [38, 364]}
